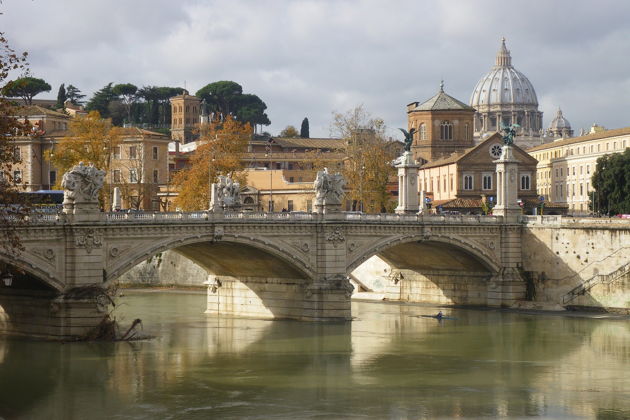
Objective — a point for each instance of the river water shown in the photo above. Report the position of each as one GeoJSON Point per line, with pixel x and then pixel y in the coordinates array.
{"type": "Point", "coordinates": [389, 363]}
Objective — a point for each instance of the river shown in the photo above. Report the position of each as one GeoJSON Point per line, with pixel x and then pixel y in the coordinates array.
{"type": "Point", "coordinates": [389, 363]}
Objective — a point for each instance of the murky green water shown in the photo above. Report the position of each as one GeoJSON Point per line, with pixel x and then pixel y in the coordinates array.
{"type": "Point", "coordinates": [388, 363]}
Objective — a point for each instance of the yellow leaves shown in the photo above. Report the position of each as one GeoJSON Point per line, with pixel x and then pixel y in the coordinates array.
{"type": "Point", "coordinates": [220, 152]}
{"type": "Point", "coordinates": [92, 139]}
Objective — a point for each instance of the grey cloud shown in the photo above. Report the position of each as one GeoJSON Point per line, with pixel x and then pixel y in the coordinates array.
{"type": "Point", "coordinates": [308, 58]}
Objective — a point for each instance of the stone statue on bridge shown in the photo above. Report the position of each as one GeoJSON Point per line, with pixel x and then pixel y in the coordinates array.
{"type": "Point", "coordinates": [328, 191]}
{"type": "Point", "coordinates": [225, 194]}
{"type": "Point", "coordinates": [81, 185]}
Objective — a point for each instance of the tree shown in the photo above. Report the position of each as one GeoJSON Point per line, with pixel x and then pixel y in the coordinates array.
{"type": "Point", "coordinates": [304, 130]}
{"type": "Point", "coordinates": [611, 181]}
{"type": "Point", "coordinates": [101, 99]}
{"type": "Point", "coordinates": [74, 95]}
{"type": "Point", "coordinates": [91, 139]}
{"type": "Point", "coordinates": [126, 92]}
{"type": "Point", "coordinates": [227, 98]}
{"type": "Point", "coordinates": [251, 109]}
{"type": "Point", "coordinates": [289, 131]}
{"type": "Point", "coordinates": [221, 97]}
{"type": "Point", "coordinates": [367, 165]}
{"type": "Point", "coordinates": [10, 216]}
{"type": "Point", "coordinates": [223, 144]}
{"type": "Point", "coordinates": [61, 97]}
{"type": "Point", "coordinates": [25, 88]}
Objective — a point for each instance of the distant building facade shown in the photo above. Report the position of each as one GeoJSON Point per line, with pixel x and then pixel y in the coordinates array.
{"type": "Point", "coordinates": [565, 166]}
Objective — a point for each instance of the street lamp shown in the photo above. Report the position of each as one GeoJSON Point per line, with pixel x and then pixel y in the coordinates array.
{"type": "Point", "coordinates": [269, 154]}
{"type": "Point", "coordinates": [7, 279]}
{"type": "Point", "coordinates": [361, 187]}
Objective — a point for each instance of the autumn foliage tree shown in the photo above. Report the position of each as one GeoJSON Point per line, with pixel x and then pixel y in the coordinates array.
{"type": "Point", "coordinates": [91, 140]}
{"type": "Point", "coordinates": [367, 164]}
{"type": "Point", "coordinates": [10, 216]}
{"type": "Point", "coordinates": [222, 145]}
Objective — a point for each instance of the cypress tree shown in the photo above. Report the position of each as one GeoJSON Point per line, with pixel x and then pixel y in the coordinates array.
{"type": "Point", "coordinates": [61, 97]}
{"type": "Point", "coordinates": [304, 131]}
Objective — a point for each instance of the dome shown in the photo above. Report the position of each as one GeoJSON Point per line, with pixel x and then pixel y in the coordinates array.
{"type": "Point", "coordinates": [560, 123]}
{"type": "Point", "coordinates": [503, 85]}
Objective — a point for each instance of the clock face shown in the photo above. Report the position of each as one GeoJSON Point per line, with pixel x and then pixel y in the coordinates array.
{"type": "Point", "coordinates": [495, 151]}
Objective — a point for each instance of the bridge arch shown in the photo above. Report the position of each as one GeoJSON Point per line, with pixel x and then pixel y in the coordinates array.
{"type": "Point", "coordinates": [286, 262]}
{"type": "Point", "coordinates": [481, 255]}
{"type": "Point", "coordinates": [29, 264]}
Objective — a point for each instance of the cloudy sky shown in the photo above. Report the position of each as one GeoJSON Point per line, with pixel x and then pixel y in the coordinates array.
{"type": "Point", "coordinates": [310, 58]}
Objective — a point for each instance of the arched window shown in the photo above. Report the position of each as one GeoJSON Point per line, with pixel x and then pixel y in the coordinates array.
{"type": "Point", "coordinates": [525, 182]}
{"type": "Point", "coordinates": [446, 130]}
{"type": "Point", "coordinates": [423, 132]}
{"type": "Point", "coordinates": [468, 182]}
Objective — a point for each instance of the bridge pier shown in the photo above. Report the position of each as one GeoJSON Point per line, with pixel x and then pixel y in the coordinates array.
{"type": "Point", "coordinates": [279, 298]}
{"type": "Point", "coordinates": [47, 315]}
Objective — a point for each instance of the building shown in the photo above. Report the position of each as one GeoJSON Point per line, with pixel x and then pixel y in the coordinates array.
{"type": "Point", "coordinates": [504, 96]}
{"type": "Point", "coordinates": [34, 172]}
{"type": "Point", "coordinates": [138, 164]}
{"type": "Point", "coordinates": [443, 125]}
{"type": "Point", "coordinates": [565, 166]}
{"type": "Point", "coordinates": [465, 179]}
{"type": "Point", "coordinates": [185, 112]}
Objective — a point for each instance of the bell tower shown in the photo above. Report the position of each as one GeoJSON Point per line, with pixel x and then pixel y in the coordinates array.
{"type": "Point", "coordinates": [443, 126]}
{"type": "Point", "coordinates": [185, 110]}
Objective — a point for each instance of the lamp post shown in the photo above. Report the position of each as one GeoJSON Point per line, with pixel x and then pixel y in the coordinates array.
{"type": "Point", "coordinates": [361, 188]}
{"type": "Point", "coordinates": [269, 154]}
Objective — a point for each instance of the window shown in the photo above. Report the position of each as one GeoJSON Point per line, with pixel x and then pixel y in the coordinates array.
{"type": "Point", "coordinates": [446, 130]}
{"type": "Point", "coordinates": [525, 182]}
{"type": "Point", "coordinates": [487, 181]}
{"type": "Point", "coordinates": [309, 205]}
{"type": "Point", "coordinates": [156, 176]}
{"type": "Point", "coordinates": [291, 179]}
{"type": "Point", "coordinates": [52, 177]}
{"type": "Point", "coordinates": [581, 190]}
{"type": "Point", "coordinates": [17, 176]}
{"type": "Point", "coordinates": [117, 152]}
{"type": "Point", "coordinates": [133, 175]}
{"type": "Point", "coordinates": [290, 205]}
{"type": "Point", "coordinates": [133, 152]}
{"type": "Point", "coordinates": [423, 132]}
{"type": "Point", "coordinates": [117, 176]}
{"type": "Point", "coordinates": [466, 137]}
{"type": "Point", "coordinates": [468, 182]}
{"type": "Point", "coordinates": [155, 153]}
{"type": "Point", "coordinates": [17, 154]}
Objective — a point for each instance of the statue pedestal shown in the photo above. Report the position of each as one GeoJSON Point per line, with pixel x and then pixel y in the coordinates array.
{"type": "Point", "coordinates": [407, 184]}
{"type": "Point", "coordinates": [507, 186]}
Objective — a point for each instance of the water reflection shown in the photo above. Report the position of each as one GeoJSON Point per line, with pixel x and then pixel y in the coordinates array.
{"type": "Point", "coordinates": [390, 362]}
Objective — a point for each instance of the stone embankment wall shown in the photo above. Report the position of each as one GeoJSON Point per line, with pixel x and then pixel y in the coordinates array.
{"type": "Point", "coordinates": [560, 254]}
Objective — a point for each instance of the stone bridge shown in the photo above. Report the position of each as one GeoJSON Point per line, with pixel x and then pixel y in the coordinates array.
{"type": "Point", "coordinates": [280, 265]}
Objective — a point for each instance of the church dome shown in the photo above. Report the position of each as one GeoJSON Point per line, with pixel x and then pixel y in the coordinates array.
{"type": "Point", "coordinates": [503, 85]}
{"type": "Point", "coordinates": [560, 126]}
{"type": "Point", "coordinates": [560, 123]}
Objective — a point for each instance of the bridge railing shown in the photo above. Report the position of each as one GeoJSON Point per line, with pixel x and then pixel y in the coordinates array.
{"type": "Point", "coordinates": [560, 220]}
{"type": "Point", "coordinates": [205, 216]}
